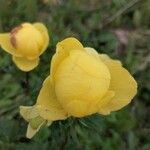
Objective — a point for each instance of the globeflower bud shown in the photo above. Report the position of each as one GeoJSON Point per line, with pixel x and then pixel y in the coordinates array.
{"type": "Point", "coordinates": [82, 82]}
{"type": "Point", "coordinates": [25, 43]}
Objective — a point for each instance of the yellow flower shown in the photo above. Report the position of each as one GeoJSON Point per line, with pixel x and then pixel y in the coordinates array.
{"type": "Point", "coordinates": [81, 82]}
{"type": "Point", "coordinates": [25, 43]}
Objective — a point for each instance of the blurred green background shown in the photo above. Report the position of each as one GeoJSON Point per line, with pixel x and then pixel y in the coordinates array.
{"type": "Point", "coordinates": [120, 28]}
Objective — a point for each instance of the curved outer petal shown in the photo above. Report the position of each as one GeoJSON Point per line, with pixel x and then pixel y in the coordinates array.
{"type": "Point", "coordinates": [62, 51]}
{"type": "Point", "coordinates": [5, 43]}
{"type": "Point", "coordinates": [122, 83]}
{"type": "Point", "coordinates": [43, 30]}
{"type": "Point", "coordinates": [80, 82]}
{"type": "Point", "coordinates": [25, 64]}
{"type": "Point", "coordinates": [106, 59]}
{"type": "Point", "coordinates": [47, 104]}
{"type": "Point", "coordinates": [32, 131]}
{"type": "Point", "coordinates": [29, 112]}
{"type": "Point", "coordinates": [31, 115]}
{"type": "Point", "coordinates": [92, 52]}
{"type": "Point", "coordinates": [110, 94]}
{"type": "Point", "coordinates": [104, 101]}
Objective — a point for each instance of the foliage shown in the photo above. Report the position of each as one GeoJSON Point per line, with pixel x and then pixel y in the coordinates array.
{"type": "Point", "coordinates": [92, 22]}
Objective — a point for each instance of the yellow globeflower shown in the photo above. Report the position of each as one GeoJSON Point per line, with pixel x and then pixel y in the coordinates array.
{"type": "Point", "coordinates": [81, 82]}
{"type": "Point", "coordinates": [25, 43]}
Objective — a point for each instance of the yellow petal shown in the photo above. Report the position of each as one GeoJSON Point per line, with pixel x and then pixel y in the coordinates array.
{"type": "Point", "coordinates": [36, 122]}
{"type": "Point", "coordinates": [78, 108]}
{"type": "Point", "coordinates": [106, 59]}
{"type": "Point", "coordinates": [31, 115]}
{"type": "Point", "coordinates": [110, 94]}
{"type": "Point", "coordinates": [29, 112]}
{"type": "Point", "coordinates": [25, 64]}
{"type": "Point", "coordinates": [47, 104]}
{"type": "Point", "coordinates": [43, 30]}
{"type": "Point", "coordinates": [5, 43]}
{"type": "Point", "coordinates": [92, 52]}
{"type": "Point", "coordinates": [104, 101]}
{"type": "Point", "coordinates": [62, 51]}
{"type": "Point", "coordinates": [32, 131]}
{"type": "Point", "coordinates": [28, 40]}
{"type": "Point", "coordinates": [81, 77]}
{"type": "Point", "coordinates": [122, 83]}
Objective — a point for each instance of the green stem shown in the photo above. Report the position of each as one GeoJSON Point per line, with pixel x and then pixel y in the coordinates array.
{"type": "Point", "coordinates": [64, 142]}
{"type": "Point", "coordinates": [27, 83]}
